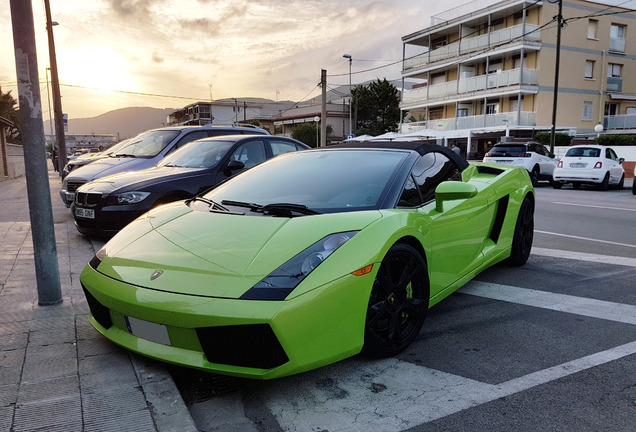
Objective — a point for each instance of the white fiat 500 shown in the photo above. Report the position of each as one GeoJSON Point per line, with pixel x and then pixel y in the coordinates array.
{"type": "Point", "coordinates": [589, 164]}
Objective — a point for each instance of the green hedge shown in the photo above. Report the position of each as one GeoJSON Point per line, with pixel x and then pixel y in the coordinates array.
{"type": "Point", "coordinates": [617, 140]}
{"type": "Point", "coordinates": [560, 139]}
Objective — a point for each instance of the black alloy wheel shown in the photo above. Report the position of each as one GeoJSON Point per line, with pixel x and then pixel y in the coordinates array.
{"type": "Point", "coordinates": [398, 303]}
{"type": "Point", "coordinates": [621, 184]}
{"type": "Point", "coordinates": [523, 235]}
{"type": "Point", "coordinates": [605, 183]}
{"type": "Point", "coordinates": [534, 176]}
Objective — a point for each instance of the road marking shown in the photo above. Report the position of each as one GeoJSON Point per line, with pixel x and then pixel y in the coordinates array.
{"type": "Point", "coordinates": [609, 311]}
{"type": "Point", "coordinates": [582, 256]}
{"type": "Point", "coordinates": [585, 238]}
{"type": "Point", "coordinates": [594, 206]}
{"type": "Point", "coordinates": [393, 395]}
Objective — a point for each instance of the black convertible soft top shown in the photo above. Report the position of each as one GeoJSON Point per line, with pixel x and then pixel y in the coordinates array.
{"type": "Point", "coordinates": [422, 147]}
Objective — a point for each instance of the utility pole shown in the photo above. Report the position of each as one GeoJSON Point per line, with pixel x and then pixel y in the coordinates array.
{"type": "Point", "coordinates": [57, 97]}
{"type": "Point", "coordinates": [323, 116]}
{"type": "Point", "coordinates": [37, 179]}
{"type": "Point", "coordinates": [559, 18]}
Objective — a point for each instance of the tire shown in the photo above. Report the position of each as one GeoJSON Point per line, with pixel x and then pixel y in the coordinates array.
{"type": "Point", "coordinates": [621, 184]}
{"type": "Point", "coordinates": [605, 183]}
{"type": "Point", "coordinates": [398, 303]}
{"type": "Point", "coordinates": [634, 187]}
{"type": "Point", "coordinates": [534, 176]}
{"type": "Point", "coordinates": [523, 235]}
{"type": "Point", "coordinates": [557, 185]}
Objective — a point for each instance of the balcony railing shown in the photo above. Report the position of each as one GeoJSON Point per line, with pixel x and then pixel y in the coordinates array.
{"type": "Point", "coordinates": [510, 119]}
{"type": "Point", "coordinates": [617, 45]}
{"type": "Point", "coordinates": [473, 84]}
{"type": "Point", "coordinates": [624, 121]}
{"type": "Point", "coordinates": [614, 84]}
{"type": "Point", "coordinates": [467, 45]}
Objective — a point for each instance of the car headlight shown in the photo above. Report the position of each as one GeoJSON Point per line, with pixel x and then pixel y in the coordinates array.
{"type": "Point", "coordinates": [282, 281]}
{"type": "Point", "coordinates": [97, 259]}
{"type": "Point", "coordinates": [127, 198]}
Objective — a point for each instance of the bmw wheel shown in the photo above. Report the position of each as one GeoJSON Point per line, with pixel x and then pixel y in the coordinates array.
{"type": "Point", "coordinates": [398, 303]}
{"type": "Point", "coordinates": [523, 236]}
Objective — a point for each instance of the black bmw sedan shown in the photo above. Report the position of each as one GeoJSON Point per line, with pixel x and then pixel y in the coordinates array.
{"type": "Point", "coordinates": [104, 206]}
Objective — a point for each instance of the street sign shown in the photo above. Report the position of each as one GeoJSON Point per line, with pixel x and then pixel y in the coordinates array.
{"type": "Point", "coordinates": [350, 136]}
{"type": "Point", "coordinates": [65, 120]}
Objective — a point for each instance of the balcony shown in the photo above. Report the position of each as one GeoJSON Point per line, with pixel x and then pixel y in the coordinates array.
{"type": "Point", "coordinates": [624, 121]}
{"type": "Point", "coordinates": [468, 45]}
{"type": "Point", "coordinates": [471, 85]}
{"type": "Point", "coordinates": [614, 84]}
{"type": "Point", "coordinates": [617, 45]}
{"type": "Point", "coordinates": [510, 119]}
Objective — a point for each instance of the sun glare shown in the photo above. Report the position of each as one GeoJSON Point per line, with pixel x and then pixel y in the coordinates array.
{"type": "Point", "coordinates": [103, 70]}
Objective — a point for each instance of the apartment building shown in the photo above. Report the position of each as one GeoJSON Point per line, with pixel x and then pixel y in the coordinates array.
{"type": "Point", "coordinates": [487, 69]}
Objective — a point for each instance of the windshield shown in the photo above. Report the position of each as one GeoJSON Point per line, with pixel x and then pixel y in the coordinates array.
{"type": "Point", "coordinates": [147, 144]}
{"type": "Point", "coordinates": [323, 181]}
{"type": "Point", "coordinates": [198, 154]}
{"type": "Point", "coordinates": [583, 152]}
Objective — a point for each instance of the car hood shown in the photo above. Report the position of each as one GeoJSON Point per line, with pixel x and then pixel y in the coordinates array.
{"type": "Point", "coordinates": [216, 254]}
{"type": "Point", "coordinates": [140, 178]}
{"type": "Point", "coordinates": [107, 166]}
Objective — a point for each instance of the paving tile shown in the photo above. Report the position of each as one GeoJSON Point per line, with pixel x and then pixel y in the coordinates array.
{"type": "Point", "coordinates": [45, 370]}
{"type": "Point", "coordinates": [45, 390]}
{"type": "Point", "coordinates": [55, 414]}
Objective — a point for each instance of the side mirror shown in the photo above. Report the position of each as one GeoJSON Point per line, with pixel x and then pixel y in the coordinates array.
{"type": "Point", "coordinates": [621, 160]}
{"type": "Point", "coordinates": [233, 166]}
{"type": "Point", "coordinates": [452, 190]}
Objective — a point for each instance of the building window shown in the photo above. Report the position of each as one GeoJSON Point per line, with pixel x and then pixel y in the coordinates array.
{"type": "Point", "coordinates": [617, 38]}
{"type": "Point", "coordinates": [588, 108]}
{"type": "Point", "coordinates": [589, 69]}
{"type": "Point", "coordinates": [614, 70]}
{"type": "Point", "coordinates": [592, 29]}
{"type": "Point", "coordinates": [611, 109]}
{"type": "Point", "coordinates": [492, 108]}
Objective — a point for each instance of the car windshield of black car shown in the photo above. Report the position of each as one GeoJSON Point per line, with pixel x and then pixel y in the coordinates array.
{"type": "Point", "coordinates": [198, 154]}
{"type": "Point", "coordinates": [148, 144]}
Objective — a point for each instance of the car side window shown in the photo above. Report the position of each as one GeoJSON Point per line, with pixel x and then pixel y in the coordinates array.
{"type": "Point", "coordinates": [609, 154]}
{"type": "Point", "coordinates": [217, 132]}
{"type": "Point", "coordinates": [539, 149]}
{"type": "Point", "coordinates": [192, 136]}
{"type": "Point", "coordinates": [281, 147]}
{"type": "Point", "coordinates": [428, 172]}
{"type": "Point", "coordinates": [251, 153]}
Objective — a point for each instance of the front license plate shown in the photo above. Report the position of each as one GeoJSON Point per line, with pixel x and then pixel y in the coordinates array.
{"type": "Point", "coordinates": [147, 330]}
{"type": "Point", "coordinates": [84, 213]}
{"type": "Point", "coordinates": [70, 196]}
{"type": "Point", "coordinates": [577, 165]}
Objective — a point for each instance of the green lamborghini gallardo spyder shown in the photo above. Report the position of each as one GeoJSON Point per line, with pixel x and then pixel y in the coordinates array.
{"type": "Point", "coordinates": [308, 258]}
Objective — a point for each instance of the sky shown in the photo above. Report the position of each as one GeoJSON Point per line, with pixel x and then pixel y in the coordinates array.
{"type": "Point", "coordinates": [167, 54]}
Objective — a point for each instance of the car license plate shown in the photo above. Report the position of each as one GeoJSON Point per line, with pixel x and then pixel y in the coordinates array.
{"type": "Point", "coordinates": [147, 330]}
{"type": "Point", "coordinates": [84, 213]}
{"type": "Point", "coordinates": [504, 161]}
{"type": "Point", "coordinates": [577, 165]}
{"type": "Point", "coordinates": [70, 197]}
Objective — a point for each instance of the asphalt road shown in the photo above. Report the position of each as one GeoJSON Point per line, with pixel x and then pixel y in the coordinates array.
{"type": "Point", "coordinates": [550, 346]}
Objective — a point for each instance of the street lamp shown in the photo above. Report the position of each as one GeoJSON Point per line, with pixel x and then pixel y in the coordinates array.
{"type": "Point", "coordinates": [348, 56]}
{"type": "Point", "coordinates": [598, 129]}
{"type": "Point", "coordinates": [317, 120]}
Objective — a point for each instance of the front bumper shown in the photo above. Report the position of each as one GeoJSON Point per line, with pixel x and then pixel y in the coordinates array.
{"type": "Point", "coordinates": [246, 338]}
{"type": "Point", "coordinates": [107, 221]}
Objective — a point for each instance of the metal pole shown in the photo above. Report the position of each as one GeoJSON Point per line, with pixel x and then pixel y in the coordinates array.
{"type": "Point", "coordinates": [37, 179]}
{"type": "Point", "coordinates": [556, 75]}
{"type": "Point", "coordinates": [350, 95]}
{"type": "Point", "coordinates": [323, 117]}
{"type": "Point", "coordinates": [57, 97]}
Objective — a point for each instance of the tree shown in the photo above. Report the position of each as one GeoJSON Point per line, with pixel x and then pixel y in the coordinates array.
{"type": "Point", "coordinates": [376, 108]}
{"type": "Point", "coordinates": [9, 110]}
{"type": "Point", "coordinates": [307, 133]}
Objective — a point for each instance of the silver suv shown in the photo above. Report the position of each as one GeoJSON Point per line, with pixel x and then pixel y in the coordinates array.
{"type": "Point", "coordinates": [145, 151]}
{"type": "Point", "coordinates": [530, 155]}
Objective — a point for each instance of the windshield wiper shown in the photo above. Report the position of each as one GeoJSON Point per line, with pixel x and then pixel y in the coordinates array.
{"type": "Point", "coordinates": [275, 209]}
{"type": "Point", "coordinates": [214, 206]}
{"type": "Point", "coordinates": [125, 155]}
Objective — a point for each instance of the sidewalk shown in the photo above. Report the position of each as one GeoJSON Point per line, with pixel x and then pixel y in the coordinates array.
{"type": "Point", "coordinates": [56, 372]}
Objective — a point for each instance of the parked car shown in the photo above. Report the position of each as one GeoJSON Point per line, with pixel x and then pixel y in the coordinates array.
{"type": "Point", "coordinates": [308, 258]}
{"type": "Point", "coordinates": [532, 156]}
{"type": "Point", "coordinates": [146, 150]}
{"type": "Point", "coordinates": [87, 158]}
{"type": "Point", "coordinates": [590, 164]}
{"type": "Point", "coordinates": [104, 206]}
